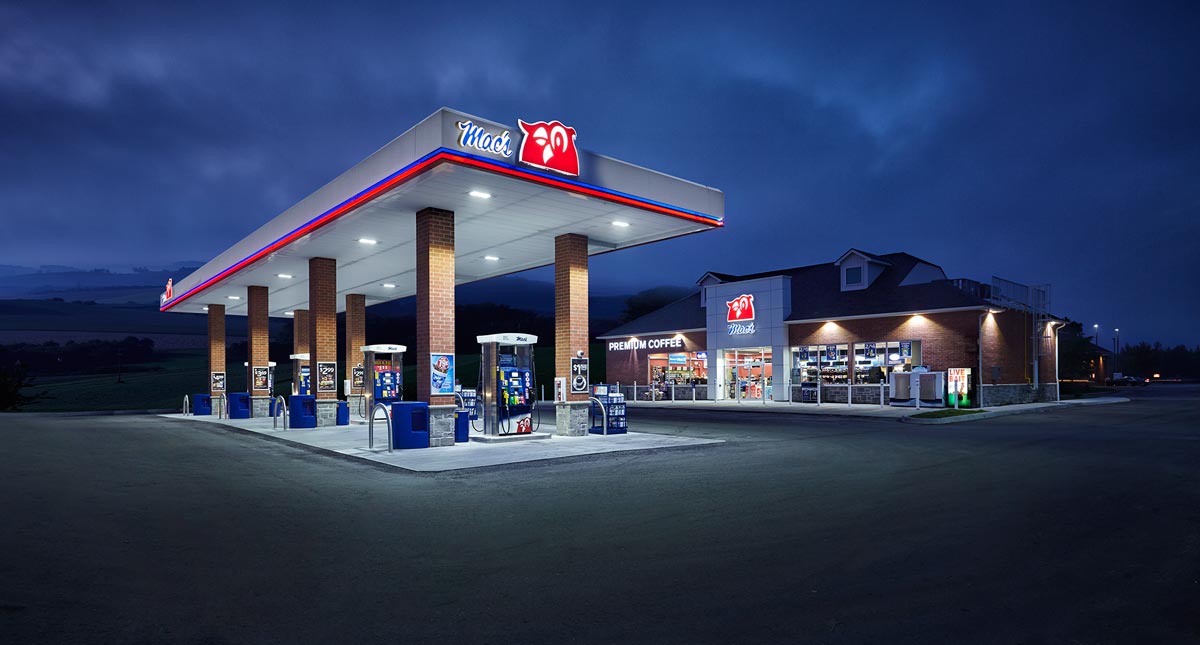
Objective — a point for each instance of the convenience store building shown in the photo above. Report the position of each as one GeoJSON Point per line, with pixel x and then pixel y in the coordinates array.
{"type": "Point", "coordinates": [847, 325]}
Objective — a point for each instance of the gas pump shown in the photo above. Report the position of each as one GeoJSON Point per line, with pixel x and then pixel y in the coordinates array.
{"type": "Point", "coordinates": [507, 397]}
{"type": "Point", "coordinates": [383, 373]}
{"type": "Point", "coordinates": [300, 383]}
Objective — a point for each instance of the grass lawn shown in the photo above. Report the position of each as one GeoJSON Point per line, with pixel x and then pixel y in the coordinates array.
{"type": "Point", "coordinates": [948, 412]}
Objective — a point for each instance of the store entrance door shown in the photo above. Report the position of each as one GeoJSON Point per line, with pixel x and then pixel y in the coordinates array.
{"type": "Point", "coordinates": [747, 374]}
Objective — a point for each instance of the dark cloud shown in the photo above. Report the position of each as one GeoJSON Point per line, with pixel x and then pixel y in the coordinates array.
{"type": "Point", "coordinates": [1040, 142]}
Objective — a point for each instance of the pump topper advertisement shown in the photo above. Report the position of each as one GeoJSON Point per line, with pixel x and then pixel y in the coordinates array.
{"type": "Point", "coordinates": [218, 382]}
{"type": "Point", "coordinates": [441, 374]}
{"type": "Point", "coordinates": [579, 376]}
{"type": "Point", "coordinates": [358, 377]}
{"type": "Point", "coordinates": [326, 377]}
{"type": "Point", "coordinates": [550, 146]}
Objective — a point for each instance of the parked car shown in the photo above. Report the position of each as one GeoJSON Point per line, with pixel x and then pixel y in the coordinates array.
{"type": "Point", "coordinates": [1131, 381]}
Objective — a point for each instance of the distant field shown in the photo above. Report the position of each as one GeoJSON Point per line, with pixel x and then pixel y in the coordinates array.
{"type": "Point", "coordinates": [183, 372]}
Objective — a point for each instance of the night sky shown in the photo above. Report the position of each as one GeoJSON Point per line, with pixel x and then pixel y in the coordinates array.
{"type": "Point", "coordinates": [1039, 142]}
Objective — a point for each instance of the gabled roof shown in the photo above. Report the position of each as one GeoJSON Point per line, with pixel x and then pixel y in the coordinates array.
{"type": "Point", "coordinates": [869, 256]}
{"type": "Point", "coordinates": [683, 314]}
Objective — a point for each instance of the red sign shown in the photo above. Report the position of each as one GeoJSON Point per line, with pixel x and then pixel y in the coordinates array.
{"type": "Point", "coordinates": [741, 308]}
{"type": "Point", "coordinates": [550, 146]}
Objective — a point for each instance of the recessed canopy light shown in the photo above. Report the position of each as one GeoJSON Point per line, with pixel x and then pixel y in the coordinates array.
{"type": "Point", "coordinates": [480, 194]}
{"type": "Point", "coordinates": [285, 276]}
{"type": "Point", "coordinates": [620, 224]}
{"type": "Point", "coordinates": [289, 313]}
{"type": "Point", "coordinates": [491, 258]}
{"type": "Point", "coordinates": [206, 308]}
{"type": "Point", "coordinates": [388, 285]}
{"type": "Point", "coordinates": [234, 297]}
{"type": "Point", "coordinates": [367, 240]}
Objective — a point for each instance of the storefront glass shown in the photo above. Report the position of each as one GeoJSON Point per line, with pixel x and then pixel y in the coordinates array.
{"type": "Point", "coordinates": [748, 374]}
{"type": "Point", "coordinates": [679, 368]}
{"type": "Point", "coordinates": [873, 361]}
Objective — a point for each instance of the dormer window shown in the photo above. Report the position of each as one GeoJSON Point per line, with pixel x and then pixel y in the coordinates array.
{"type": "Point", "coordinates": [853, 275]}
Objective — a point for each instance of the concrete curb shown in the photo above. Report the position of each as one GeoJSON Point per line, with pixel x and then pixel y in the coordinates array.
{"type": "Point", "coordinates": [280, 439]}
{"type": "Point", "coordinates": [93, 413]}
{"type": "Point", "coordinates": [991, 414]}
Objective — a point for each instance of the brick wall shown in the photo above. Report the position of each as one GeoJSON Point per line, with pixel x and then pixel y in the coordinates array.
{"type": "Point", "coordinates": [435, 295]}
{"type": "Point", "coordinates": [356, 330]}
{"type": "Point", "coordinates": [322, 317]}
{"type": "Point", "coordinates": [258, 334]}
{"type": "Point", "coordinates": [570, 303]}
{"type": "Point", "coordinates": [625, 366]}
{"type": "Point", "coordinates": [216, 340]}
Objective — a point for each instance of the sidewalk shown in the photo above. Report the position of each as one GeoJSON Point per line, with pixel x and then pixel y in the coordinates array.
{"type": "Point", "coordinates": [858, 410]}
{"type": "Point", "coordinates": [351, 441]}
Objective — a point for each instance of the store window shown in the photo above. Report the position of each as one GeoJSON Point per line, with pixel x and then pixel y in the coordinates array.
{"type": "Point", "coordinates": [873, 361]}
{"type": "Point", "coordinates": [681, 368]}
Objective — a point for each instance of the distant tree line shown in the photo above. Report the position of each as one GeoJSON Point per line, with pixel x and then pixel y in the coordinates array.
{"type": "Point", "coordinates": [1077, 351]}
{"type": "Point", "coordinates": [86, 357]}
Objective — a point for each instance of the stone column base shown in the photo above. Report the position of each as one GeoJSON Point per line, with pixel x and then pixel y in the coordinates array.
{"type": "Point", "coordinates": [441, 425]}
{"type": "Point", "coordinates": [571, 418]}
{"type": "Point", "coordinates": [260, 407]}
{"type": "Point", "coordinates": [326, 412]}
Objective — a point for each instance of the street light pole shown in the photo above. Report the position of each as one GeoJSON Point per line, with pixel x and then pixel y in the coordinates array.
{"type": "Point", "coordinates": [1117, 348]}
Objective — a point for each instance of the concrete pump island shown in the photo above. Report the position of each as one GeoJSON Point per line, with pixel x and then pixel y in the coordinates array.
{"type": "Point", "coordinates": [453, 200]}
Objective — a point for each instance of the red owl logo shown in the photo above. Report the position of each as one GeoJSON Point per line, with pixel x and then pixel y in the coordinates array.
{"type": "Point", "coordinates": [550, 146]}
{"type": "Point", "coordinates": [741, 308]}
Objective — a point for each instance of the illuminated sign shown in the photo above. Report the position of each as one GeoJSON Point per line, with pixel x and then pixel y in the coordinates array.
{"type": "Point", "coordinates": [741, 308]}
{"type": "Point", "coordinates": [476, 136]}
{"type": "Point", "coordinates": [653, 343]}
{"type": "Point", "coordinates": [167, 294]}
{"type": "Point", "coordinates": [740, 315]}
{"type": "Point", "coordinates": [549, 145]}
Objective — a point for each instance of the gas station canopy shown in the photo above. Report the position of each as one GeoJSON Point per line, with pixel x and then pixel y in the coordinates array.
{"type": "Point", "coordinates": [507, 213]}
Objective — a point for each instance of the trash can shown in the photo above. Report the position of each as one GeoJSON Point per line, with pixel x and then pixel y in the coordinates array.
{"type": "Point", "coordinates": [202, 405]}
{"type": "Point", "coordinates": [302, 411]}
{"type": "Point", "coordinates": [343, 413]}
{"type": "Point", "coordinates": [239, 405]}
{"type": "Point", "coordinates": [462, 426]}
{"type": "Point", "coordinates": [410, 424]}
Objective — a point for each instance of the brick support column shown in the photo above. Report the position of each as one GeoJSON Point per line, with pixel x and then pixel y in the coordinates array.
{"type": "Point", "coordinates": [258, 336]}
{"type": "Point", "coordinates": [322, 322]}
{"type": "Point", "coordinates": [356, 331]}
{"type": "Point", "coordinates": [435, 314]}
{"type": "Point", "coordinates": [570, 325]}
{"type": "Point", "coordinates": [299, 344]}
{"type": "Point", "coordinates": [216, 342]}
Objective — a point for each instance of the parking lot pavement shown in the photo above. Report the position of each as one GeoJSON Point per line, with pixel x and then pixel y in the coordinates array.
{"type": "Point", "coordinates": [1075, 525]}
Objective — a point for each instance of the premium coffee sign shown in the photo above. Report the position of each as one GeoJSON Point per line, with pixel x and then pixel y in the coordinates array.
{"type": "Point", "coordinates": [644, 343]}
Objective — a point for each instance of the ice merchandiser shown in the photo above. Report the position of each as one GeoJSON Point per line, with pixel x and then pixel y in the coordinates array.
{"type": "Point", "coordinates": [507, 398]}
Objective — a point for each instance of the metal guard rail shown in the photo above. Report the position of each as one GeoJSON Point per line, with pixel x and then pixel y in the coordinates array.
{"type": "Point", "coordinates": [280, 408]}
{"type": "Point", "coordinates": [387, 414]}
{"type": "Point", "coordinates": [603, 413]}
